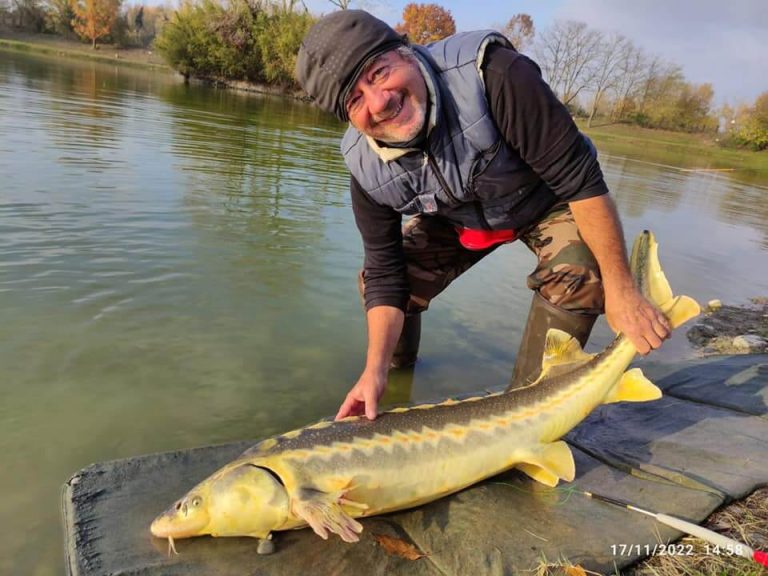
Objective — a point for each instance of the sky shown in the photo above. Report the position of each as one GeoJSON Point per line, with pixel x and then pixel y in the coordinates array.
{"type": "Point", "coordinates": [723, 42]}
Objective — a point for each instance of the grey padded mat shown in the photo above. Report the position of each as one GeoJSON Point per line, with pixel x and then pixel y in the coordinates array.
{"type": "Point", "coordinates": [685, 454]}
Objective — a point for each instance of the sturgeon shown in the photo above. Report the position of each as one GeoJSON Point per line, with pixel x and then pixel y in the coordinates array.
{"type": "Point", "coordinates": [329, 474]}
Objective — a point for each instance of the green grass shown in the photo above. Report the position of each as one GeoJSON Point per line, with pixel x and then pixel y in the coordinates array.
{"type": "Point", "coordinates": [744, 520]}
{"type": "Point", "coordinates": [678, 149]}
{"type": "Point", "coordinates": [56, 46]}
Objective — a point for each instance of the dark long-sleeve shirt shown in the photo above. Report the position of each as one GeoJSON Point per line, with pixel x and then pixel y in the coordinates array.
{"type": "Point", "coordinates": [532, 121]}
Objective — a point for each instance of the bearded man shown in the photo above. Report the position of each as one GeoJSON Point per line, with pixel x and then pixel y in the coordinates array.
{"type": "Point", "coordinates": [466, 138]}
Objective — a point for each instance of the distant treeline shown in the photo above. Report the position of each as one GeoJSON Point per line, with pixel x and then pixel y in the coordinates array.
{"type": "Point", "coordinates": [607, 78]}
{"type": "Point", "coordinates": [105, 21]}
{"type": "Point", "coordinates": [602, 77]}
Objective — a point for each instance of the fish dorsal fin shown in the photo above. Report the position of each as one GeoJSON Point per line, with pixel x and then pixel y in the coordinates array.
{"type": "Point", "coordinates": [633, 386]}
{"type": "Point", "coordinates": [561, 350]}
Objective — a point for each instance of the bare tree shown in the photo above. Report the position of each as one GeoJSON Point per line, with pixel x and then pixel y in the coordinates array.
{"type": "Point", "coordinates": [655, 87]}
{"type": "Point", "coordinates": [607, 69]}
{"type": "Point", "coordinates": [632, 70]}
{"type": "Point", "coordinates": [341, 4]}
{"type": "Point", "coordinates": [519, 30]}
{"type": "Point", "coordinates": [567, 53]}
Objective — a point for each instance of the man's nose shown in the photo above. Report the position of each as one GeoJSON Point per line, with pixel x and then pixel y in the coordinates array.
{"type": "Point", "coordinates": [377, 100]}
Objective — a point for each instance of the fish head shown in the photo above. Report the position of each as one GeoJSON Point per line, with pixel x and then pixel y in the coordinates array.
{"type": "Point", "coordinates": [240, 500]}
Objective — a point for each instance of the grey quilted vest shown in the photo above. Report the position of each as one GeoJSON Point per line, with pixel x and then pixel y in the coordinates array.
{"type": "Point", "coordinates": [465, 173]}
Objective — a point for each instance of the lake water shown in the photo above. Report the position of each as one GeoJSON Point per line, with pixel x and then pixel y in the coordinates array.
{"type": "Point", "coordinates": [177, 268]}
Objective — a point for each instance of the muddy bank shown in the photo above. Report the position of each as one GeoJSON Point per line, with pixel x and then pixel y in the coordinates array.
{"type": "Point", "coordinates": [725, 329]}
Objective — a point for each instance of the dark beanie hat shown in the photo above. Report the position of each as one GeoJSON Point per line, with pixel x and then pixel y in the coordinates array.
{"type": "Point", "coordinates": [335, 51]}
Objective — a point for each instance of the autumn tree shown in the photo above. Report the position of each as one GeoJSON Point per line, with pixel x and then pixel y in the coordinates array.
{"type": "Point", "coordinates": [519, 30]}
{"type": "Point", "coordinates": [94, 18]}
{"type": "Point", "coordinates": [750, 124]}
{"type": "Point", "coordinates": [58, 16]}
{"type": "Point", "coordinates": [760, 110]}
{"type": "Point", "coordinates": [660, 85]}
{"type": "Point", "coordinates": [425, 23]}
{"type": "Point", "coordinates": [693, 106]}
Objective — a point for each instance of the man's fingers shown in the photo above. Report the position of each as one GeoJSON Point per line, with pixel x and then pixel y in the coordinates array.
{"type": "Point", "coordinates": [661, 330]}
{"type": "Point", "coordinates": [641, 344]}
{"type": "Point", "coordinates": [645, 342]}
{"type": "Point", "coordinates": [371, 405]}
{"type": "Point", "coordinates": [347, 408]}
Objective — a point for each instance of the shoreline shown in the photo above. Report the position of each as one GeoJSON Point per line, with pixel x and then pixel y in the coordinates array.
{"type": "Point", "coordinates": [727, 329]}
{"type": "Point", "coordinates": [140, 58]}
{"type": "Point", "coordinates": [676, 150]}
{"type": "Point", "coordinates": [135, 57]}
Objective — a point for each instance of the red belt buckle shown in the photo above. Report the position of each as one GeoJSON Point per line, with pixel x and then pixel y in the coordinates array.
{"type": "Point", "coordinates": [473, 239]}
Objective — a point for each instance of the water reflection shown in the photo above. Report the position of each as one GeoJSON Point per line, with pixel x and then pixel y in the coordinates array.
{"type": "Point", "coordinates": [740, 204]}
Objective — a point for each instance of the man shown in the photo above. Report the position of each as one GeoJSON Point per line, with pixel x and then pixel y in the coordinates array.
{"type": "Point", "coordinates": [465, 136]}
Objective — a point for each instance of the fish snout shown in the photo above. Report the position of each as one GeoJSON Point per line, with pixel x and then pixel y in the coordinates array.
{"type": "Point", "coordinates": [180, 521]}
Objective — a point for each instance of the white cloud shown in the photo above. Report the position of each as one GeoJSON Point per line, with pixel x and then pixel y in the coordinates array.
{"type": "Point", "coordinates": [721, 42]}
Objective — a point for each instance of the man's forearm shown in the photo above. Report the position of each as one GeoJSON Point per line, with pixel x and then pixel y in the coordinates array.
{"type": "Point", "coordinates": [385, 323]}
{"type": "Point", "coordinates": [600, 227]}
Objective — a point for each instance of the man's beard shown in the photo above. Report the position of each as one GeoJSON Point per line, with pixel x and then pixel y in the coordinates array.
{"type": "Point", "coordinates": [394, 135]}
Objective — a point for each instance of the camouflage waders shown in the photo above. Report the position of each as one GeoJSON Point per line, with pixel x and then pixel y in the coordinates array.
{"type": "Point", "coordinates": [566, 279]}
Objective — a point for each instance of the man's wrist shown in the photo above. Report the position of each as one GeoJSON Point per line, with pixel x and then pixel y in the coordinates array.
{"type": "Point", "coordinates": [378, 368]}
{"type": "Point", "coordinates": [619, 286]}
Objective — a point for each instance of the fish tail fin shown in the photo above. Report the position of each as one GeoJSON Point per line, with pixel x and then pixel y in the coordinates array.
{"type": "Point", "coordinates": [653, 283]}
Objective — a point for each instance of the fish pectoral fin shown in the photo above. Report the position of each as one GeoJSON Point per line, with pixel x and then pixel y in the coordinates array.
{"type": "Point", "coordinates": [324, 513]}
{"type": "Point", "coordinates": [633, 386]}
{"type": "Point", "coordinates": [562, 350]}
{"type": "Point", "coordinates": [551, 463]}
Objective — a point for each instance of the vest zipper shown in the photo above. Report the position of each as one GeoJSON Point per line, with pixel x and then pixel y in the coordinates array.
{"type": "Point", "coordinates": [439, 175]}
{"type": "Point", "coordinates": [429, 159]}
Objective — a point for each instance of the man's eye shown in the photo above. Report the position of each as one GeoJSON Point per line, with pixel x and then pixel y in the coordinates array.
{"type": "Point", "coordinates": [353, 102]}
{"type": "Point", "coordinates": [379, 73]}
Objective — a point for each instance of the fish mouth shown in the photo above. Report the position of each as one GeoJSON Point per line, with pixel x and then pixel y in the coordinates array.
{"type": "Point", "coordinates": [173, 526]}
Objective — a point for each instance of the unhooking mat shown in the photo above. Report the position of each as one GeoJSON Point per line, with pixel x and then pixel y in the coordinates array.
{"type": "Point", "coordinates": [703, 444]}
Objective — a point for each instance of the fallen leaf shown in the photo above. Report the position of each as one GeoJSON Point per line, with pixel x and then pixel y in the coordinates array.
{"type": "Point", "coordinates": [398, 547]}
{"type": "Point", "coordinates": [574, 571]}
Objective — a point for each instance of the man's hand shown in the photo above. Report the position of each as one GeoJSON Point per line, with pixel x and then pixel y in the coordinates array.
{"type": "Point", "coordinates": [385, 323]}
{"type": "Point", "coordinates": [364, 397]}
{"type": "Point", "coordinates": [638, 319]}
{"type": "Point", "coordinates": [626, 310]}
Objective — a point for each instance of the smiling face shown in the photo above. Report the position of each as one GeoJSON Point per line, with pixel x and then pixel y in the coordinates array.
{"type": "Point", "coordinates": [388, 101]}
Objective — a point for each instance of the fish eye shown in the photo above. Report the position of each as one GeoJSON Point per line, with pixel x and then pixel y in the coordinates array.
{"type": "Point", "coordinates": [196, 501]}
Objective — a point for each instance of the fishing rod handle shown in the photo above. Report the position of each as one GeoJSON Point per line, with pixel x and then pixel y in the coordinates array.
{"type": "Point", "coordinates": [723, 542]}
